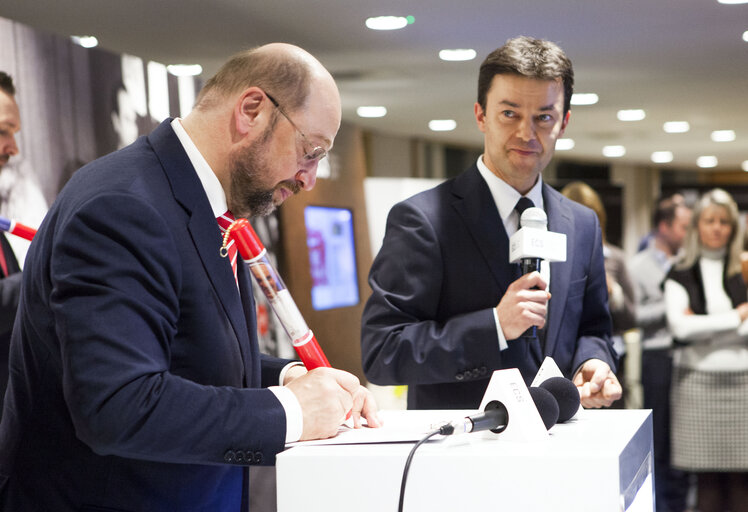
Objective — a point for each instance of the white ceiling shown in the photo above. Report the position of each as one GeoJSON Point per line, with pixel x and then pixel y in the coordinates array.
{"type": "Point", "coordinates": [679, 60]}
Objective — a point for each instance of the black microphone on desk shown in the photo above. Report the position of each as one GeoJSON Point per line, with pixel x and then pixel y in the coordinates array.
{"type": "Point", "coordinates": [495, 416]}
{"type": "Point", "coordinates": [566, 395]}
{"type": "Point", "coordinates": [533, 243]}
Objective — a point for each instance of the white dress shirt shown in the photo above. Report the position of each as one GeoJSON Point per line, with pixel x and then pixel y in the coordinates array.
{"type": "Point", "coordinates": [506, 197]}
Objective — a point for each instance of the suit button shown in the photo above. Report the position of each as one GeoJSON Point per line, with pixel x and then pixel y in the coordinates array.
{"type": "Point", "coordinates": [258, 457]}
{"type": "Point", "coordinates": [460, 376]}
{"type": "Point", "coordinates": [239, 456]}
{"type": "Point", "coordinates": [229, 456]}
{"type": "Point", "coordinates": [483, 370]}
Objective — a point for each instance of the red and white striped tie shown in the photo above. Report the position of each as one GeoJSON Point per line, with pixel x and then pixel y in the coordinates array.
{"type": "Point", "coordinates": [224, 221]}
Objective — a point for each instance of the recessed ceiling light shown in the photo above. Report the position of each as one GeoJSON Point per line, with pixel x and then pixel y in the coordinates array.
{"type": "Point", "coordinates": [723, 135]}
{"type": "Point", "coordinates": [745, 36]}
{"type": "Point", "coordinates": [676, 126]}
{"type": "Point", "coordinates": [442, 125]}
{"type": "Point", "coordinates": [732, 2]}
{"type": "Point", "coordinates": [371, 111]}
{"type": "Point", "coordinates": [184, 69]}
{"type": "Point", "coordinates": [456, 55]}
{"type": "Point", "coordinates": [662, 157]}
{"type": "Point", "coordinates": [564, 144]}
{"type": "Point", "coordinates": [614, 151]}
{"type": "Point", "coordinates": [85, 41]}
{"type": "Point", "coordinates": [584, 98]}
{"type": "Point", "coordinates": [705, 162]}
{"type": "Point", "coordinates": [634, 114]}
{"type": "Point", "coordinates": [744, 165]}
{"type": "Point", "coordinates": [389, 22]}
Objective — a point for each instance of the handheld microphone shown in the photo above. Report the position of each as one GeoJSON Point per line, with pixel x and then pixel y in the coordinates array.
{"type": "Point", "coordinates": [533, 243]}
{"type": "Point", "coordinates": [566, 395]}
{"type": "Point", "coordinates": [16, 228]}
{"type": "Point", "coordinates": [495, 416]}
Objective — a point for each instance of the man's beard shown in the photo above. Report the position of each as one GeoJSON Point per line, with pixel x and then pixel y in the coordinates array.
{"type": "Point", "coordinates": [249, 167]}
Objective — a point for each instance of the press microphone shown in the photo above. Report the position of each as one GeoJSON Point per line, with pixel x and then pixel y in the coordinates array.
{"type": "Point", "coordinates": [16, 228]}
{"type": "Point", "coordinates": [566, 395]}
{"type": "Point", "coordinates": [495, 416]}
{"type": "Point", "coordinates": [533, 243]}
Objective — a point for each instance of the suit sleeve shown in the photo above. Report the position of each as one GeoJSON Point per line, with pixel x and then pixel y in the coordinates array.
{"type": "Point", "coordinates": [593, 339]}
{"type": "Point", "coordinates": [403, 339]}
{"type": "Point", "coordinates": [116, 279]}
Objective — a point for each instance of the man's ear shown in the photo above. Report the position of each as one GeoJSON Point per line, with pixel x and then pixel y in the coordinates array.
{"type": "Point", "coordinates": [565, 123]}
{"type": "Point", "coordinates": [480, 116]}
{"type": "Point", "coordinates": [248, 109]}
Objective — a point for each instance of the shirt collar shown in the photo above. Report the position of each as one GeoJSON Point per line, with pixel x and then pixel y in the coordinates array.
{"type": "Point", "coordinates": [213, 188]}
{"type": "Point", "coordinates": [504, 195]}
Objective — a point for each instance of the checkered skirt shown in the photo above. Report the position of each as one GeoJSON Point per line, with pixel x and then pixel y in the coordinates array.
{"type": "Point", "coordinates": [709, 420]}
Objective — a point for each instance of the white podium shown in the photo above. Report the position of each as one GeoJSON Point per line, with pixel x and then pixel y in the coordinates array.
{"type": "Point", "coordinates": [599, 462]}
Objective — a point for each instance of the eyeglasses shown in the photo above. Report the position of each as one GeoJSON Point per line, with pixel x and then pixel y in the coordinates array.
{"type": "Point", "coordinates": [313, 154]}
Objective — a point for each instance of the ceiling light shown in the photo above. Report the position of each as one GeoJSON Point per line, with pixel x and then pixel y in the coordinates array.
{"type": "Point", "coordinates": [732, 2]}
{"type": "Point", "coordinates": [706, 162]}
{"type": "Point", "coordinates": [584, 98]}
{"type": "Point", "coordinates": [184, 69]}
{"type": "Point", "coordinates": [634, 114]}
{"type": "Point", "coordinates": [614, 151]}
{"type": "Point", "coordinates": [723, 135]}
{"type": "Point", "coordinates": [744, 165]}
{"type": "Point", "coordinates": [371, 111]}
{"type": "Point", "coordinates": [564, 144]}
{"type": "Point", "coordinates": [676, 126]}
{"type": "Point", "coordinates": [442, 125]}
{"type": "Point", "coordinates": [389, 22]}
{"type": "Point", "coordinates": [662, 157]}
{"type": "Point", "coordinates": [85, 41]}
{"type": "Point", "coordinates": [745, 36]}
{"type": "Point", "coordinates": [457, 54]}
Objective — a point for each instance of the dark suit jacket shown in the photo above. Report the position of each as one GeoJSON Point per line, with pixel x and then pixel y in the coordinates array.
{"type": "Point", "coordinates": [10, 287]}
{"type": "Point", "coordinates": [135, 369]}
{"type": "Point", "coordinates": [442, 269]}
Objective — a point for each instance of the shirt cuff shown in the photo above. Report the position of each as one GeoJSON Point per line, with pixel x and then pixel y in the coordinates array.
{"type": "Point", "coordinates": [292, 407]}
{"type": "Point", "coordinates": [285, 369]}
{"type": "Point", "coordinates": [503, 345]}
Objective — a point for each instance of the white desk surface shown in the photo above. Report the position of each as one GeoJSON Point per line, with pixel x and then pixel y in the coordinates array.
{"type": "Point", "coordinates": [582, 466]}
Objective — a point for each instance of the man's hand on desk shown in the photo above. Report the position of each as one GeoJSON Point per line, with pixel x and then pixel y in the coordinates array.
{"type": "Point", "coordinates": [597, 384]}
{"type": "Point", "coordinates": [326, 395]}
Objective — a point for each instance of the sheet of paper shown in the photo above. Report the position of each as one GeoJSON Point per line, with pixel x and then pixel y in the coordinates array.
{"type": "Point", "coordinates": [398, 428]}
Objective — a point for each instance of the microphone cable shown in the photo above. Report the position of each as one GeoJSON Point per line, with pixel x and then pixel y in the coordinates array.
{"type": "Point", "coordinates": [445, 430]}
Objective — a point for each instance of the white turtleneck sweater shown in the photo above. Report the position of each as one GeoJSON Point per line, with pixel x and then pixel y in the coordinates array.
{"type": "Point", "coordinates": [718, 340]}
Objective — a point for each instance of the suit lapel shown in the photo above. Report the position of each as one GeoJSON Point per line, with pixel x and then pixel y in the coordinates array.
{"type": "Point", "coordinates": [560, 220]}
{"type": "Point", "coordinates": [475, 205]}
{"type": "Point", "coordinates": [203, 228]}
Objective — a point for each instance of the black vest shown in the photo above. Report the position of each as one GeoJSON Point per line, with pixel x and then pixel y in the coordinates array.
{"type": "Point", "coordinates": [692, 281]}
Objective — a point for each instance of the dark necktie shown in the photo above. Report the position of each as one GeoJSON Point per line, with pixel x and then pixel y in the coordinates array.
{"type": "Point", "coordinates": [224, 221]}
{"type": "Point", "coordinates": [522, 204]}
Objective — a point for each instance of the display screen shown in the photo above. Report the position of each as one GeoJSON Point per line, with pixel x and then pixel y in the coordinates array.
{"type": "Point", "coordinates": [332, 257]}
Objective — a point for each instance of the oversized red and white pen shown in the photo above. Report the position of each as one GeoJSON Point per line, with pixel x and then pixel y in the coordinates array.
{"type": "Point", "coordinates": [16, 228]}
{"type": "Point", "coordinates": [253, 252]}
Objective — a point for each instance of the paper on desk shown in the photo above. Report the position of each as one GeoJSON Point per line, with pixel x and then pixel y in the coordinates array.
{"type": "Point", "coordinates": [399, 427]}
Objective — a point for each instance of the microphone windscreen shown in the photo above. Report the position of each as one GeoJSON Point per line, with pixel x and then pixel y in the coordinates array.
{"type": "Point", "coordinates": [546, 404]}
{"type": "Point", "coordinates": [565, 393]}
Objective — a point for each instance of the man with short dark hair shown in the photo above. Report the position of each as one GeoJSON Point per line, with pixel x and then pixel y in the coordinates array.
{"type": "Point", "coordinates": [10, 271]}
{"type": "Point", "coordinates": [447, 307]}
{"type": "Point", "coordinates": [136, 378]}
{"type": "Point", "coordinates": [648, 269]}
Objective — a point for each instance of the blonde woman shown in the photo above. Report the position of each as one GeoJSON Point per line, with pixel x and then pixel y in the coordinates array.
{"type": "Point", "coordinates": [706, 305]}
